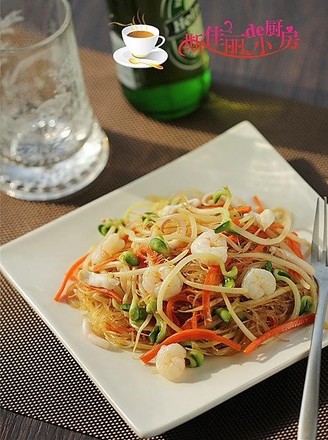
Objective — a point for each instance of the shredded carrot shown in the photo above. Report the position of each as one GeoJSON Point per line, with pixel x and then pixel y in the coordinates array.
{"type": "Point", "coordinates": [194, 320]}
{"type": "Point", "coordinates": [233, 238]}
{"type": "Point", "coordinates": [182, 296]}
{"type": "Point", "coordinates": [212, 278]}
{"type": "Point", "coordinates": [191, 322]}
{"type": "Point", "coordinates": [288, 325]}
{"type": "Point", "coordinates": [193, 335]}
{"type": "Point", "coordinates": [68, 276]}
{"type": "Point", "coordinates": [295, 246]}
{"type": "Point", "coordinates": [252, 229]}
{"type": "Point", "coordinates": [187, 325]}
{"type": "Point", "coordinates": [236, 221]}
{"type": "Point", "coordinates": [146, 252]}
{"type": "Point", "coordinates": [109, 292]}
{"type": "Point", "coordinates": [275, 226]}
{"type": "Point", "coordinates": [259, 248]}
{"type": "Point", "coordinates": [256, 231]}
{"type": "Point", "coordinates": [244, 209]}
{"type": "Point", "coordinates": [258, 202]}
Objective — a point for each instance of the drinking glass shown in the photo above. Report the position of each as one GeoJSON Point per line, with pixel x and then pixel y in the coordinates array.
{"type": "Point", "coordinates": [51, 144]}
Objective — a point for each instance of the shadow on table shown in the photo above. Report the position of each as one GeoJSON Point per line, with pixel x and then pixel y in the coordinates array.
{"type": "Point", "coordinates": [300, 128]}
{"type": "Point", "coordinates": [130, 158]}
{"type": "Point", "coordinates": [269, 409]}
{"type": "Point", "coordinates": [285, 122]}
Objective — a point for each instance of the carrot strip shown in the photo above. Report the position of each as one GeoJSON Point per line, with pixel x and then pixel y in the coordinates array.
{"type": "Point", "coordinates": [243, 209]}
{"type": "Point", "coordinates": [236, 221]}
{"type": "Point", "coordinates": [252, 229]}
{"type": "Point", "coordinates": [259, 248]}
{"type": "Point", "coordinates": [256, 231]}
{"type": "Point", "coordinates": [192, 334]}
{"type": "Point", "coordinates": [187, 325]}
{"type": "Point", "coordinates": [108, 292]}
{"type": "Point", "coordinates": [233, 238]}
{"type": "Point", "coordinates": [68, 276]}
{"type": "Point", "coordinates": [182, 296]}
{"type": "Point", "coordinates": [170, 313]}
{"type": "Point", "coordinates": [288, 325]}
{"type": "Point", "coordinates": [194, 320]}
{"type": "Point", "coordinates": [295, 246]}
{"type": "Point", "coordinates": [275, 226]}
{"type": "Point", "coordinates": [146, 252]}
{"type": "Point", "coordinates": [191, 322]}
{"type": "Point", "coordinates": [213, 277]}
{"type": "Point", "coordinates": [258, 202]}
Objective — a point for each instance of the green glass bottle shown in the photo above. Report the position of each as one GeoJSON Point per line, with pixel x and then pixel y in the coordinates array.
{"type": "Point", "coordinates": [181, 86]}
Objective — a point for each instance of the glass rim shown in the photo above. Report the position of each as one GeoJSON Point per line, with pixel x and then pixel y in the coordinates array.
{"type": "Point", "coordinates": [62, 28]}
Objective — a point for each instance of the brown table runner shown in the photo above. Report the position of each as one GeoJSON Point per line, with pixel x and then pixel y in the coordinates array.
{"type": "Point", "coordinates": [40, 378]}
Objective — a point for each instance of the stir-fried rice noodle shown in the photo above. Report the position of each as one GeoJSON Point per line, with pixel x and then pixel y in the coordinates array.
{"type": "Point", "coordinates": [146, 279]}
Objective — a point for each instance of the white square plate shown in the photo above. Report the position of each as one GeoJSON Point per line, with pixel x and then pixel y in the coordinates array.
{"type": "Point", "coordinates": [35, 265]}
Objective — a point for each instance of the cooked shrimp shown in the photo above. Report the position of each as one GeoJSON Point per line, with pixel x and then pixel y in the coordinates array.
{"type": "Point", "coordinates": [210, 243]}
{"type": "Point", "coordinates": [100, 280]}
{"type": "Point", "coordinates": [113, 244]}
{"type": "Point", "coordinates": [153, 278]}
{"type": "Point", "coordinates": [110, 246]}
{"type": "Point", "coordinates": [264, 219]}
{"type": "Point", "coordinates": [170, 361]}
{"type": "Point", "coordinates": [258, 282]}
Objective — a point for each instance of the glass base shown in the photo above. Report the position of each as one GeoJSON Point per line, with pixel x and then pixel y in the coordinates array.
{"type": "Point", "coordinates": [60, 179]}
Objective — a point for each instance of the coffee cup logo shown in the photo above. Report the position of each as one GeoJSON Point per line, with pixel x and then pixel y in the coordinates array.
{"type": "Point", "coordinates": [141, 39]}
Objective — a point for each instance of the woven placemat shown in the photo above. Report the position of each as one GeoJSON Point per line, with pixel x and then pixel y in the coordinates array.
{"type": "Point", "coordinates": [40, 378]}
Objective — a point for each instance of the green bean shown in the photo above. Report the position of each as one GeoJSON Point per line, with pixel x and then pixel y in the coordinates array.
{"type": "Point", "coordinates": [194, 358]}
{"type": "Point", "coordinates": [130, 258]}
{"type": "Point", "coordinates": [103, 228]}
{"type": "Point", "coordinates": [162, 331]}
{"type": "Point", "coordinates": [137, 314]}
{"type": "Point", "coordinates": [153, 334]}
{"type": "Point", "coordinates": [159, 245]}
{"type": "Point", "coordinates": [306, 304]}
{"type": "Point", "coordinates": [158, 334]}
{"type": "Point", "coordinates": [125, 307]}
{"type": "Point", "coordinates": [232, 273]}
{"type": "Point", "coordinates": [224, 314]}
{"type": "Point", "coordinates": [229, 282]}
{"type": "Point", "coordinates": [151, 305]}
